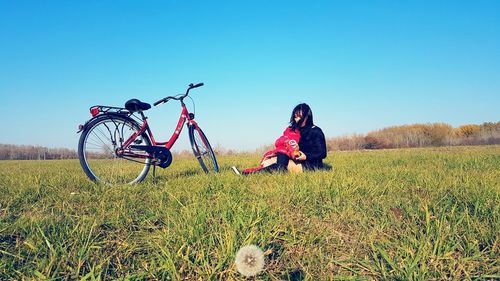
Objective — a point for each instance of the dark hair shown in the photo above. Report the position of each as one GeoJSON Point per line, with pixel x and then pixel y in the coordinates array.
{"type": "Point", "coordinates": [306, 115]}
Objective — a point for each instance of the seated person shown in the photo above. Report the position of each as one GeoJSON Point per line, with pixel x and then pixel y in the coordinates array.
{"type": "Point", "coordinates": [311, 142]}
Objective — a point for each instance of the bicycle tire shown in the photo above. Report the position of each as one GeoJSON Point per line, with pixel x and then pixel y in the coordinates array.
{"type": "Point", "coordinates": [203, 150]}
{"type": "Point", "coordinates": [97, 152]}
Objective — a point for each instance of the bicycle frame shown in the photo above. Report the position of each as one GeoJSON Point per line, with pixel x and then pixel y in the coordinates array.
{"type": "Point", "coordinates": [184, 116]}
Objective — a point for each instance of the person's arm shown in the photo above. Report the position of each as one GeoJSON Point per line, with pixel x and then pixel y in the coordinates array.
{"type": "Point", "coordinates": [280, 142]}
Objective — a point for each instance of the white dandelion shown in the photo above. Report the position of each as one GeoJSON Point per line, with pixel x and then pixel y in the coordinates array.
{"type": "Point", "coordinates": [249, 260]}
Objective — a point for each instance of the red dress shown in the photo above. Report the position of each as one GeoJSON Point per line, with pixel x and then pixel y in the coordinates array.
{"type": "Point", "coordinates": [287, 144]}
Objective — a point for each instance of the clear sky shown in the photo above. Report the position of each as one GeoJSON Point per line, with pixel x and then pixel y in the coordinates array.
{"type": "Point", "coordinates": [360, 65]}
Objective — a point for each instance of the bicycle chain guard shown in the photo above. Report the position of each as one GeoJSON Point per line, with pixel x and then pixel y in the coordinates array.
{"type": "Point", "coordinates": [162, 155]}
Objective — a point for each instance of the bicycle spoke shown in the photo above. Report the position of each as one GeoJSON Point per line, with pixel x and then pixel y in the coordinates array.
{"type": "Point", "coordinates": [104, 135]}
{"type": "Point", "coordinates": [106, 148]}
{"type": "Point", "coordinates": [103, 142]}
{"type": "Point", "coordinates": [94, 144]}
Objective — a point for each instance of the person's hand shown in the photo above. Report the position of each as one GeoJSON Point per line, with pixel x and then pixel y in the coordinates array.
{"type": "Point", "coordinates": [302, 156]}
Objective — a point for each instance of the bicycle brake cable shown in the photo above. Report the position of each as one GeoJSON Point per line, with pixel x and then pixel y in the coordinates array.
{"type": "Point", "coordinates": [194, 107]}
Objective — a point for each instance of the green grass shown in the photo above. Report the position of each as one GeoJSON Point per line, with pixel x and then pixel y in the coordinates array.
{"type": "Point", "coordinates": [415, 214]}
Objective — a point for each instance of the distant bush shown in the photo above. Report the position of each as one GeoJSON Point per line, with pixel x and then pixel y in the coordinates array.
{"type": "Point", "coordinates": [352, 142]}
{"type": "Point", "coordinates": [420, 135]}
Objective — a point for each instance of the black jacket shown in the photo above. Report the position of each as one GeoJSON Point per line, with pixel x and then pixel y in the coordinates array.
{"type": "Point", "coordinates": [313, 144]}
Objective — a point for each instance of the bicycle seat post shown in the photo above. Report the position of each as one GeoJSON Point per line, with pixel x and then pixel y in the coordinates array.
{"type": "Point", "coordinates": [142, 115]}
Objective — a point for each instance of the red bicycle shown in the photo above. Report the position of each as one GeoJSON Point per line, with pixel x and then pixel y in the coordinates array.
{"type": "Point", "coordinates": [117, 146]}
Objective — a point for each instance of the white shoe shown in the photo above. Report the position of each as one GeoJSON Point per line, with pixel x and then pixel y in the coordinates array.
{"type": "Point", "coordinates": [236, 171]}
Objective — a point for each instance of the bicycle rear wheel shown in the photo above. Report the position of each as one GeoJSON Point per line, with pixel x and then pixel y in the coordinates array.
{"type": "Point", "coordinates": [202, 150]}
{"type": "Point", "coordinates": [99, 151]}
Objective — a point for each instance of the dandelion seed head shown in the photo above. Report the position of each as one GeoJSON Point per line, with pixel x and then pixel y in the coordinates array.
{"type": "Point", "coordinates": [249, 260]}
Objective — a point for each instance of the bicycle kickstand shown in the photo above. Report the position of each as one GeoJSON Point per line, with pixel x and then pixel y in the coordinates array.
{"type": "Point", "coordinates": [154, 173]}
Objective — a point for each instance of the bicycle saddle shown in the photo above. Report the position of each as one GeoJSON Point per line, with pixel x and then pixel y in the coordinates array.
{"type": "Point", "coordinates": [134, 105]}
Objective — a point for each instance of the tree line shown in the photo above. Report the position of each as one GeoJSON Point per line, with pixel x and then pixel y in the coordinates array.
{"type": "Point", "coordinates": [30, 152]}
{"type": "Point", "coordinates": [406, 136]}
{"type": "Point", "coordinates": [419, 135]}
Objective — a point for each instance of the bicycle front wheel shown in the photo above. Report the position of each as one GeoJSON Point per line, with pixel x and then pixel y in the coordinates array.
{"type": "Point", "coordinates": [101, 154]}
{"type": "Point", "coordinates": [202, 150]}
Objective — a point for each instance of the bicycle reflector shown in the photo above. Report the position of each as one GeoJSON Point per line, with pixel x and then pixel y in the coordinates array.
{"type": "Point", "coordinates": [94, 111]}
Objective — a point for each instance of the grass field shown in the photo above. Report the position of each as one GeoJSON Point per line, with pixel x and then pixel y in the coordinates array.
{"type": "Point", "coordinates": [415, 214]}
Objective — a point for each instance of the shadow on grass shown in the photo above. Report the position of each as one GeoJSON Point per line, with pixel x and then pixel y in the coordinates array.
{"type": "Point", "coordinates": [181, 174]}
{"type": "Point", "coordinates": [295, 275]}
{"type": "Point", "coordinates": [327, 167]}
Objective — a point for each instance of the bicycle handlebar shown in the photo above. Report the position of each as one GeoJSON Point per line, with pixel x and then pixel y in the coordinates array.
{"type": "Point", "coordinates": [191, 86]}
{"type": "Point", "coordinates": [165, 100]}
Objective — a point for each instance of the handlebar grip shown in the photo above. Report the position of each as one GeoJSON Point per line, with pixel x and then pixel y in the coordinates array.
{"type": "Point", "coordinates": [197, 85]}
{"type": "Point", "coordinates": [158, 102]}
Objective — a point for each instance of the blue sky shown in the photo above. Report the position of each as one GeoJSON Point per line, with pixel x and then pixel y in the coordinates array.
{"type": "Point", "coordinates": [360, 65]}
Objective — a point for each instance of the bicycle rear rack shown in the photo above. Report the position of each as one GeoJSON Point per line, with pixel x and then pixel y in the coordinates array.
{"type": "Point", "coordinates": [105, 109]}
{"type": "Point", "coordinates": [98, 109]}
